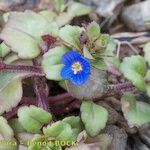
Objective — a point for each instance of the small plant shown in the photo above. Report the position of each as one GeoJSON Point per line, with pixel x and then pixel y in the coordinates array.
{"type": "Point", "coordinates": [45, 47]}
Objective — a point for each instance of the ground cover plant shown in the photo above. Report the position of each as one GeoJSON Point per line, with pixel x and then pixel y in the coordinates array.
{"type": "Point", "coordinates": [69, 86]}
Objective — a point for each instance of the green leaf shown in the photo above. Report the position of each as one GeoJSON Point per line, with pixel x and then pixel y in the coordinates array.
{"type": "Point", "coordinates": [43, 143]}
{"type": "Point", "coordinates": [7, 135]}
{"type": "Point", "coordinates": [94, 117]}
{"type": "Point", "coordinates": [93, 31]}
{"type": "Point", "coordinates": [49, 15]}
{"type": "Point", "coordinates": [99, 64]}
{"type": "Point", "coordinates": [104, 46]}
{"type": "Point", "coordinates": [10, 90]}
{"type": "Point", "coordinates": [78, 9]}
{"type": "Point", "coordinates": [27, 49]}
{"type": "Point", "coordinates": [16, 125]}
{"type": "Point", "coordinates": [75, 123]}
{"type": "Point", "coordinates": [33, 118]}
{"type": "Point", "coordinates": [134, 68]}
{"type": "Point", "coordinates": [32, 23]}
{"type": "Point", "coordinates": [136, 113]}
{"type": "Point", "coordinates": [97, 80]}
{"type": "Point", "coordinates": [5, 130]}
{"type": "Point", "coordinates": [70, 34]}
{"type": "Point", "coordinates": [147, 52]}
{"type": "Point", "coordinates": [27, 27]}
{"type": "Point", "coordinates": [86, 53]}
{"type": "Point", "coordinates": [51, 62]}
{"type": "Point", "coordinates": [60, 130]}
{"type": "Point", "coordinates": [59, 5]}
{"type": "Point", "coordinates": [63, 19]}
{"type": "Point", "coordinates": [4, 49]}
{"type": "Point", "coordinates": [147, 78]}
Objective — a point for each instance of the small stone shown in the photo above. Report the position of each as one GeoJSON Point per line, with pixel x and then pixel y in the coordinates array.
{"type": "Point", "coordinates": [137, 16]}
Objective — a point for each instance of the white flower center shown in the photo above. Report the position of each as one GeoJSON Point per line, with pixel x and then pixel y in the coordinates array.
{"type": "Point", "coordinates": [76, 67]}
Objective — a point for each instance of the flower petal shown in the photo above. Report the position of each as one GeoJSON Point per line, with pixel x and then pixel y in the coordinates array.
{"type": "Point", "coordinates": [69, 57]}
{"type": "Point", "coordinates": [79, 79]}
{"type": "Point", "coordinates": [66, 72]}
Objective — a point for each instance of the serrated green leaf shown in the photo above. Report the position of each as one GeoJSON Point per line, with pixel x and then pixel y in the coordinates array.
{"type": "Point", "coordinates": [5, 130]}
{"type": "Point", "coordinates": [136, 113]}
{"type": "Point", "coordinates": [93, 31]}
{"type": "Point", "coordinates": [43, 143]}
{"type": "Point", "coordinates": [27, 49]}
{"type": "Point", "coordinates": [51, 62]}
{"type": "Point", "coordinates": [63, 18]}
{"type": "Point", "coordinates": [60, 131]}
{"type": "Point", "coordinates": [49, 15]}
{"type": "Point", "coordinates": [99, 64]}
{"type": "Point", "coordinates": [104, 46]}
{"type": "Point", "coordinates": [78, 9]}
{"type": "Point", "coordinates": [87, 54]}
{"type": "Point", "coordinates": [75, 123]}
{"type": "Point", "coordinates": [4, 49]}
{"type": "Point", "coordinates": [16, 125]}
{"type": "Point", "coordinates": [70, 34]}
{"type": "Point", "coordinates": [33, 118]}
{"type": "Point", "coordinates": [94, 117]}
{"type": "Point", "coordinates": [10, 90]}
{"type": "Point", "coordinates": [7, 135]}
{"type": "Point", "coordinates": [59, 5]}
{"type": "Point", "coordinates": [134, 68]}
{"type": "Point", "coordinates": [27, 22]}
{"type": "Point", "coordinates": [27, 27]}
{"type": "Point", "coordinates": [97, 80]}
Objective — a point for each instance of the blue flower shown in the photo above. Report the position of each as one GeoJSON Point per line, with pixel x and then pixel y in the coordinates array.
{"type": "Point", "coordinates": [76, 67]}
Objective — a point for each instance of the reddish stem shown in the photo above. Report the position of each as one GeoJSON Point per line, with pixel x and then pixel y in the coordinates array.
{"type": "Point", "coordinates": [121, 87]}
{"type": "Point", "coordinates": [41, 90]}
{"type": "Point", "coordinates": [34, 70]}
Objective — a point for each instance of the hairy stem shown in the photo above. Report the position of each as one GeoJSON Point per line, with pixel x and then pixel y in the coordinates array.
{"type": "Point", "coordinates": [121, 87]}
{"type": "Point", "coordinates": [41, 90]}
{"type": "Point", "coordinates": [34, 70]}
{"type": "Point", "coordinates": [61, 99]}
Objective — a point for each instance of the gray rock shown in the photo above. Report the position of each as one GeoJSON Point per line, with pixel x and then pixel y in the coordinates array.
{"type": "Point", "coordinates": [105, 8]}
{"type": "Point", "coordinates": [137, 17]}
